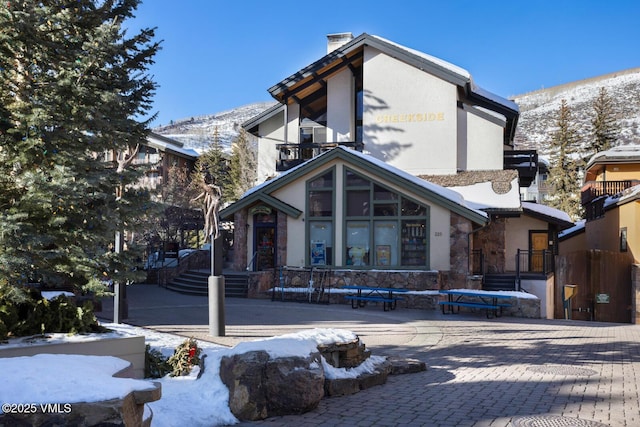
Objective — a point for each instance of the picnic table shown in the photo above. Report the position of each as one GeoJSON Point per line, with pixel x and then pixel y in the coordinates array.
{"type": "Point", "coordinates": [364, 294]}
{"type": "Point", "coordinates": [489, 301]}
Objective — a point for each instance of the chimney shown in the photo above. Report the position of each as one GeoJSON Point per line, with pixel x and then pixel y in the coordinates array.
{"type": "Point", "coordinates": [337, 40]}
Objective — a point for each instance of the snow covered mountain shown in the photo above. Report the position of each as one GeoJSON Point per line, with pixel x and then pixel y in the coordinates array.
{"type": "Point", "coordinates": [197, 132]}
{"type": "Point", "coordinates": [539, 109]}
{"type": "Point", "coordinates": [538, 114]}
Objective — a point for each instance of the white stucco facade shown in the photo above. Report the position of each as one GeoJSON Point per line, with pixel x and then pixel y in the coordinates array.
{"type": "Point", "coordinates": [409, 116]}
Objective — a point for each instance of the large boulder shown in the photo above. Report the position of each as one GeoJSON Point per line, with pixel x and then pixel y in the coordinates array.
{"type": "Point", "coordinates": [262, 387]}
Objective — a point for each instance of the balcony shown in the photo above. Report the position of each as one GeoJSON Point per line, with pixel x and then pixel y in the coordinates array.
{"type": "Point", "coordinates": [594, 189]}
{"type": "Point", "coordinates": [291, 155]}
{"type": "Point", "coordinates": [525, 162]}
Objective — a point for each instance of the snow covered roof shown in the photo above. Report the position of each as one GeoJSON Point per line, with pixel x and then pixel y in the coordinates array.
{"type": "Point", "coordinates": [620, 154]}
{"type": "Point", "coordinates": [626, 196]}
{"type": "Point", "coordinates": [167, 144]}
{"type": "Point", "coordinates": [549, 214]}
{"type": "Point", "coordinates": [438, 194]}
{"type": "Point", "coordinates": [302, 83]}
{"type": "Point", "coordinates": [486, 190]}
{"type": "Point", "coordinates": [578, 227]}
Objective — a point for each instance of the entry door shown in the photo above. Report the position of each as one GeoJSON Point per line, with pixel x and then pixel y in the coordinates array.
{"type": "Point", "coordinates": [539, 242]}
{"type": "Point", "coordinates": [265, 247]}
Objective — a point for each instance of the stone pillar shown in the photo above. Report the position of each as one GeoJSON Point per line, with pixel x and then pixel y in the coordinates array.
{"type": "Point", "coordinates": [635, 288]}
{"type": "Point", "coordinates": [459, 250]}
{"type": "Point", "coordinates": [281, 245]}
{"type": "Point", "coordinates": [240, 240]}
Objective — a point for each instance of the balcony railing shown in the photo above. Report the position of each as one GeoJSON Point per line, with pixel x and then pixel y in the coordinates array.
{"type": "Point", "coordinates": [538, 261]}
{"type": "Point", "coordinates": [525, 162]}
{"type": "Point", "coordinates": [291, 155]}
{"type": "Point", "coordinates": [594, 189]}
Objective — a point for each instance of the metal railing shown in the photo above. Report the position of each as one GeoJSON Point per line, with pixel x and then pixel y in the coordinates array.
{"type": "Point", "coordinates": [594, 189]}
{"type": "Point", "coordinates": [291, 155]}
{"type": "Point", "coordinates": [253, 258]}
{"type": "Point", "coordinates": [539, 261]}
{"type": "Point", "coordinates": [477, 262]}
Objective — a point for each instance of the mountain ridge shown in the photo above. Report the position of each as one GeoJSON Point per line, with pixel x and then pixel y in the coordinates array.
{"type": "Point", "coordinates": [537, 122]}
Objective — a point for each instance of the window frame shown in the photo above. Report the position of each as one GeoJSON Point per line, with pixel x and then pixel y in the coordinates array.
{"type": "Point", "coordinates": [397, 199]}
{"type": "Point", "coordinates": [309, 219]}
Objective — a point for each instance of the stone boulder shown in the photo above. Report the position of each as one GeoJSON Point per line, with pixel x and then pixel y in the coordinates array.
{"type": "Point", "coordinates": [345, 386]}
{"type": "Point", "coordinates": [128, 411]}
{"type": "Point", "coordinates": [262, 387]}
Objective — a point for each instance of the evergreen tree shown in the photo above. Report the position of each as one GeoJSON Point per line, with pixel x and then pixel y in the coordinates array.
{"type": "Point", "coordinates": [72, 83]}
{"type": "Point", "coordinates": [604, 132]}
{"type": "Point", "coordinates": [564, 175]}
{"type": "Point", "coordinates": [243, 166]}
{"type": "Point", "coordinates": [213, 166]}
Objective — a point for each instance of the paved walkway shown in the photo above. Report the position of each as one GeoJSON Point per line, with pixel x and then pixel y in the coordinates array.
{"type": "Point", "coordinates": [498, 372]}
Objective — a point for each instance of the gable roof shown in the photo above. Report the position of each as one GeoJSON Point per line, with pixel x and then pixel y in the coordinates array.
{"type": "Point", "coordinates": [312, 77]}
{"type": "Point", "coordinates": [444, 197]}
{"type": "Point", "coordinates": [171, 145]}
{"type": "Point", "coordinates": [619, 154]}
{"type": "Point", "coordinates": [548, 214]}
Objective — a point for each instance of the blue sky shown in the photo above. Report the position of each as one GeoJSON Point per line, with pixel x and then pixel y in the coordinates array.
{"type": "Point", "coordinates": [218, 55]}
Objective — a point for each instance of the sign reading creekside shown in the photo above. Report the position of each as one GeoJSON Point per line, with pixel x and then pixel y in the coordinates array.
{"type": "Point", "coordinates": [410, 117]}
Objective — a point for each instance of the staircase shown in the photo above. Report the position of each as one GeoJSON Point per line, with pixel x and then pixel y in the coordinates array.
{"type": "Point", "coordinates": [499, 282]}
{"type": "Point", "coordinates": [196, 282]}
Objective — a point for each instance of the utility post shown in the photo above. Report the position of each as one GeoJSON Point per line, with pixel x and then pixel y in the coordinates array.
{"type": "Point", "coordinates": [120, 305]}
{"type": "Point", "coordinates": [216, 290]}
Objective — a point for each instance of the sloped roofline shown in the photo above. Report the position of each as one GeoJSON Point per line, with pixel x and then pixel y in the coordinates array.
{"type": "Point", "coordinates": [432, 192]}
{"type": "Point", "coordinates": [171, 145]}
{"type": "Point", "coordinates": [619, 154]}
{"type": "Point", "coordinates": [427, 63]}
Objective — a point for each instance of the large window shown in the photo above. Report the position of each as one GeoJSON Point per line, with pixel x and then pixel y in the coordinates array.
{"type": "Point", "coordinates": [382, 227]}
{"type": "Point", "coordinates": [320, 202]}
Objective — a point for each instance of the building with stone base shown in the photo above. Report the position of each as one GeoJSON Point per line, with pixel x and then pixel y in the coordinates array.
{"type": "Point", "coordinates": [383, 160]}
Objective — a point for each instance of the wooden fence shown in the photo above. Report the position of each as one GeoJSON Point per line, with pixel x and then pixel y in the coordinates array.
{"type": "Point", "coordinates": [603, 279]}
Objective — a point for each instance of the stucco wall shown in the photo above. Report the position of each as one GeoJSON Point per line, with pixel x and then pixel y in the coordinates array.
{"type": "Point", "coordinates": [340, 107]}
{"type": "Point", "coordinates": [630, 218]}
{"type": "Point", "coordinates": [484, 143]}
{"type": "Point", "coordinates": [517, 232]}
{"type": "Point", "coordinates": [294, 194]}
{"type": "Point", "coordinates": [409, 116]}
{"type": "Point", "coordinates": [271, 132]}
{"type": "Point", "coordinates": [544, 290]}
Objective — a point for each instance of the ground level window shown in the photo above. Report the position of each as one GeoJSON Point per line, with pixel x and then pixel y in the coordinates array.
{"type": "Point", "coordinates": [321, 237]}
{"type": "Point", "coordinates": [414, 243]}
{"type": "Point", "coordinates": [357, 248]}
{"type": "Point", "coordinates": [385, 236]}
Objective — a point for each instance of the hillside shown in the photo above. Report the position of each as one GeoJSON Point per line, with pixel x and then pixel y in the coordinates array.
{"type": "Point", "coordinates": [538, 114]}
{"type": "Point", "coordinates": [538, 110]}
{"type": "Point", "coordinates": [197, 132]}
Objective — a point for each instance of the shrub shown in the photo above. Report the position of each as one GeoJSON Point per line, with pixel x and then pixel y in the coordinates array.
{"type": "Point", "coordinates": [25, 312]}
{"type": "Point", "coordinates": [155, 363]}
{"type": "Point", "coordinates": [185, 356]}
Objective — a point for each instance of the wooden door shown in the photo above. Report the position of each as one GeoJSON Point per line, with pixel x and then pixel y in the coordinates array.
{"type": "Point", "coordinates": [538, 244]}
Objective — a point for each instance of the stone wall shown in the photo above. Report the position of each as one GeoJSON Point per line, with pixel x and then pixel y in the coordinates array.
{"type": "Point", "coordinates": [459, 250]}
{"type": "Point", "coordinates": [261, 282]}
{"type": "Point", "coordinates": [635, 286]}
{"type": "Point", "coordinates": [240, 240]}
{"type": "Point", "coordinates": [261, 285]}
{"type": "Point", "coordinates": [492, 240]}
